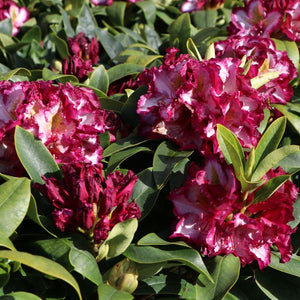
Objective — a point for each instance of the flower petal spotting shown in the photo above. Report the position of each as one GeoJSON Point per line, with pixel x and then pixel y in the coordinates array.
{"type": "Point", "coordinates": [187, 98]}
{"type": "Point", "coordinates": [65, 118]}
{"type": "Point", "coordinates": [215, 218]}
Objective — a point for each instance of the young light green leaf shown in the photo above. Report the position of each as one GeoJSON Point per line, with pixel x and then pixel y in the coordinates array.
{"type": "Point", "coordinates": [6, 242]}
{"type": "Point", "coordinates": [269, 188]}
{"type": "Point", "coordinates": [272, 160]}
{"type": "Point", "coordinates": [14, 202]}
{"type": "Point", "coordinates": [210, 52]}
{"type": "Point", "coordinates": [270, 140]}
{"type": "Point", "coordinates": [225, 272]}
{"type": "Point", "coordinates": [166, 157]}
{"type": "Point", "coordinates": [153, 255]}
{"type": "Point", "coordinates": [19, 71]}
{"type": "Point", "coordinates": [192, 49]}
{"type": "Point", "coordinates": [263, 78]}
{"type": "Point", "coordinates": [35, 157]}
{"type": "Point", "coordinates": [120, 238]}
{"type": "Point", "coordinates": [42, 264]}
{"type": "Point", "coordinates": [250, 164]}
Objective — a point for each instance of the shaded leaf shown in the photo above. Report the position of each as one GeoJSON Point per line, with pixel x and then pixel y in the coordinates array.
{"type": "Point", "coordinates": [35, 157]}
{"type": "Point", "coordinates": [107, 292]}
{"type": "Point", "coordinates": [99, 79]}
{"type": "Point", "coordinates": [122, 70]}
{"type": "Point", "coordinates": [42, 264]}
{"type": "Point", "coordinates": [20, 296]}
{"type": "Point", "coordinates": [291, 267]}
{"type": "Point", "coordinates": [116, 12]}
{"type": "Point", "coordinates": [149, 10]}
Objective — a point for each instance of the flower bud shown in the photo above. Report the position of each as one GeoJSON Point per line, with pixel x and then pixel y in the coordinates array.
{"type": "Point", "coordinates": [124, 276]}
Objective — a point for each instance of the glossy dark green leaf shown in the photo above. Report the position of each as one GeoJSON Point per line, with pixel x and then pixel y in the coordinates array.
{"type": "Point", "coordinates": [205, 18]}
{"type": "Point", "coordinates": [99, 79]}
{"type": "Point", "coordinates": [67, 24]}
{"type": "Point", "coordinates": [149, 10]}
{"type": "Point", "coordinates": [273, 159]}
{"type": "Point", "coordinates": [225, 272]}
{"type": "Point", "coordinates": [111, 104]}
{"type": "Point", "coordinates": [153, 255]}
{"type": "Point", "coordinates": [270, 140]}
{"type": "Point", "coordinates": [166, 158]}
{"type": "Point", "coordinates": [116, 12]}
{"type": "Point", "coordinates": [61, 46]}
{"type": "Point", "coordinates": [42, 264]}
{"type": "Point", "coordinates": [122, 70]}
{"type": "Point", "coordinates": [107, 292]}
{"type": "Point", "coordinates": [33, 34]}
{"type": "Point", "coordinates": [269, 188]}
{"type": "Point", "coordinates": [116, 159]}
{"type": "Point", "coordinates": [119, 238]}
{"type": "Point", "coordinates": [128, 112]}
{"type": "Point", "coordinates": [6, 26]}
{"type": "Point", "coordinates": [35, 157]}
{"type": "Point", "coordinates": [87, 22]}
{"type": "Point", "coordinates": [181, 29]}
{"type": "Point", "coordinates": [14, 202]}
{"type": "Point", "coordinates": [296, 214]}
{"type": "Point", "coordinates": [144, 192]}
{"type": "Point", "coordinates": [277, 285]}
{"type": "Point", "coordinates": [50, 75]}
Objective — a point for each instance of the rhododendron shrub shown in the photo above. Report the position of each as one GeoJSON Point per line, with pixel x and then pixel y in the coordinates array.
{"type": "Point", "coordinates": [217, 218]}
{"type": "Point", "coordinates": [86, 200]}
{"type": "Point", "coordinates": [18, 15]}
{"type": "Point", "coordinates": [264, 58]}
{"type": "Point", "coordinates": [65, 118]}
{"type": "Point", "coordinates": [187, 98]}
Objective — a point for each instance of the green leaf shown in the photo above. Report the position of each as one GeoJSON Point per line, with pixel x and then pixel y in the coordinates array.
{"type": "Point", "coordinates": [116, 13]}
{"type": "Point", "coordinates": [107, 292]}
{"type": "Point", "coordinates": [19, 71]}
{"type": "Point", "coordinates": [120, 237]}
{"type": "Point", "coordinates": [277, 285]}
{"type": "Point", "coordinates": [291, 48]}
{"type": "Point", "coordinates": [33, 33]}
{"type": "Point", "coordinates": [14, 202]}
{"type": "Point", "coordinates": [153, 255]}
{"type": "Point", "coordinates": [111, 104]}
{"type": "Point", "coordinates": [116, 159]}
{"type": "Point", "coordinates": [20, 296]}
{"type": "Point", "coordinates": [269, 188]}
{"type": "Point", "coordinates": [145, 192]}
{"type": "Point", "coordinates": [67, 24]}
{"type": "Point", "coordinates": [153, 239]}
{"type": "Point", "coordinates": [122, 70]}
{"type": "Point", "coordinates": [6, 242]}
{"type": "Point", "coordinates": [6, 26]}
{"type": "Point", "coordinates": [149, 10]}
{"type": "Point", "coordinates": [273, 159]}
{"type": "Point", "coordinates": [181, 29]}
{"type": "Point", "coordinates": [61, 46]}
{"type": "Point", "coordinates": [87, 22]}
{"type": "Point", "coordinates": [192, 49]}
{"type": "Point", "coordinates": [72, 253]}
{"type": "Point", "coordinates": [263, 78]}
{"type": "Point", "coordinates": [296, 214]}
{"type": "Point", "coordinates": [290, 111]}
{"type": "Point", "coordinates": [128, 112]}
{"type": "Point", "coordinates": [270, 140]}
{"type": "Point", "coordinates": [99, 79]}
{"type": "Point", "coordinates": [225, 272]}
{"type": "Point", "coordinates": [165, 159]}
{"type": "Point", "coordinates": [35, 157]}
{"type": "Point", "coordinates": [43, 265]}
{"type": "Point", "coordinates": [291, 267]}
{"type": "Point", "coordinates": [50, 75]}
{"type": "Point", "coordinates": [205, 18]}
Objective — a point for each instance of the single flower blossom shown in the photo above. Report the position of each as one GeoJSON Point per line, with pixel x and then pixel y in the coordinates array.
{"type": "Point", "coordinates": [214, 216]}
{"type": "Point", "coordinates": [187, 98]}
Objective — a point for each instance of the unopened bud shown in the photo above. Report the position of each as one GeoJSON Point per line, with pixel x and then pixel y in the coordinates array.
{"type": "Point", "coordinates": [124, 276]}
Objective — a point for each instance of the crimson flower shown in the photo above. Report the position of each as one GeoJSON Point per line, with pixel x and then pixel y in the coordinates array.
{"type": "Point", "coordinates": [187, 98]}
{"type": "Point", "coordinates": [65, 118]}
{"type": "Point", "coordinates": [216, 218]}
{"type": "Point", "coordinates": [85, 199]}
{"type": "Point", "coordinates": [264, 58]}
